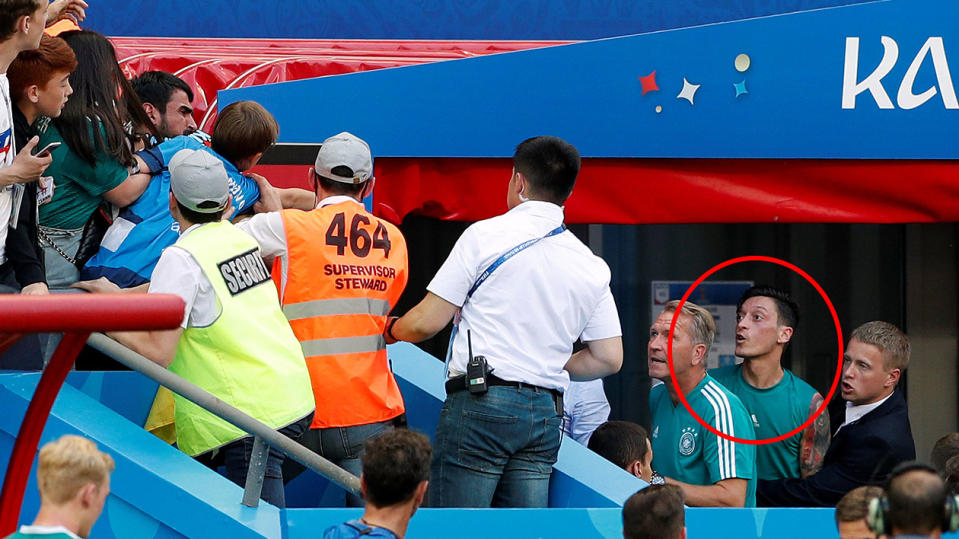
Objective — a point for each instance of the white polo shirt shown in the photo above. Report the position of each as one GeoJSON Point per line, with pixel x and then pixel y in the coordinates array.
{"type": "Point", "coordinates": [526, 316]}
{"type": "Point", "coordinates": [177, 272]}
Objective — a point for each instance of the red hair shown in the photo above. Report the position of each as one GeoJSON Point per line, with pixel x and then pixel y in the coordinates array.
{"type": "Point", "coordinates": [37, 67]}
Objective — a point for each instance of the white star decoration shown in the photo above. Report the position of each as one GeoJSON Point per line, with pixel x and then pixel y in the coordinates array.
{"type": "Point", "coordinates": [689, 91]}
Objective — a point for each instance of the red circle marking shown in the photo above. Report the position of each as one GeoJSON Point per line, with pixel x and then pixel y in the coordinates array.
{"type": "Point", "coordinates": [672, 328]}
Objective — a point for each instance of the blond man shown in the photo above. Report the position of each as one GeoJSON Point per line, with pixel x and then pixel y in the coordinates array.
{"type": "Point", "coordinates": [713, 471]}
{"type": "Point", "coordinates": [873, 433]}
{"type": "Point", "coordinates": [74, 480]}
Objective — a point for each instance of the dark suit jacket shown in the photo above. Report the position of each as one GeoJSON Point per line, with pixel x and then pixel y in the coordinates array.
{"type": "Point", "coordinates": [861, 453]}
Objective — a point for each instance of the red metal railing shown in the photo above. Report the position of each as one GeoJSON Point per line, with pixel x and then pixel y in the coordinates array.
{"type": "Point", "coordinates": [77, 316]}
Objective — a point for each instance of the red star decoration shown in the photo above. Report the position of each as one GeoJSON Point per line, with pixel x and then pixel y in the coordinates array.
{"type": "Point", "coordinates": [649, 83]}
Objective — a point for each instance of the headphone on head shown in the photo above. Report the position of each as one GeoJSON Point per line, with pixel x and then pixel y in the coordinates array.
{"type": "Point", "coordinates": [878, 516]}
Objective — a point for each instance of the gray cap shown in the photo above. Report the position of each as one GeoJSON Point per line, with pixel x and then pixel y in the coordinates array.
{"type": "Point", "coordinates": [199, 181]}
{"type": "Point", "coordinates": [345, 150]}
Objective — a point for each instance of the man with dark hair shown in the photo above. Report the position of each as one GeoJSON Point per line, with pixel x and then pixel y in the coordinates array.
{"type": "Point", "coordinates": [873, 433]}
{"type": "Point", "coordinates": [525, 290]}
{"type": "Point", "coordinates": [712, 470]}
{"type": "Point", "coordinates": [339, 272]}
{"type": "Point", "coordinates": [133, 243]}
{"type": "Point", "coordinates": [166, 100]}
{"type": "Point", "coordinates": [234, 340]}
{"type": "Point", "coordinates": [778, 401]}
{"type": "Point", "coordinates": [396, 471]}
{"type": "Point", "coordinates": [851, 512]}
{"type": "Point", "coordinates": [626, 445]}
{"type": "Point", "coordinates": [915, 504]}
{"type": "Point", "coordinates": [656, 512]}
{"type": "Point", "coordinates": [944, 449]}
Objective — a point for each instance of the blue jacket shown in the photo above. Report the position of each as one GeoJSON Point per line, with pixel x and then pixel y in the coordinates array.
{"type": "Point", "coordinates": [861, 453]}
{"type": "Point", "coordinates": [132, 245]}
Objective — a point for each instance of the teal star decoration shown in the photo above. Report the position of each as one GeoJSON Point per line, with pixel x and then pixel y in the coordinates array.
{"type": "Point", "coordinates": [740, 88]}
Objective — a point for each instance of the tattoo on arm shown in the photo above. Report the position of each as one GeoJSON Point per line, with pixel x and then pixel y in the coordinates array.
{"type": "Point", "coordinates": [815, 440]}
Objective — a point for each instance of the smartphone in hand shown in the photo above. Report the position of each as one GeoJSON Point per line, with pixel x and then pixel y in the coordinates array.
{"type": "Point", "coordinates": [47, 149]}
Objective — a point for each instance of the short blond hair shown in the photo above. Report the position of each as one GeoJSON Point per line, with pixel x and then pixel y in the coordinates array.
{"type": "Point", "coordinates": [67, 464]}
{"type": "Point", "coordinates": [703, 329]}
{"type": "Point", "coordinates": [890, 340]}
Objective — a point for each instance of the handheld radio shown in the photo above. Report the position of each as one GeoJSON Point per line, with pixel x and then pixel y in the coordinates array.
{"type": "Point", "coordinates": [476, 369]}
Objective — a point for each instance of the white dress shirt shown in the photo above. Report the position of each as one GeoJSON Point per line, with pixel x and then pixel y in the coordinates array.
{"type": "Point", "coordinates": [585, 407]}
{"type": "Point", "coordinates": [526, 316]}
{"type": "Point", "coordinates": [177, 272]}
{"type": "Point", "coordinates": [854, 412]}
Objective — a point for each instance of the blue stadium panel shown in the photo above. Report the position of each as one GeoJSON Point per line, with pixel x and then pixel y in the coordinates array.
{"type": "Point", "coordinates": [425, 19]}
{"type": "Point", "coordinates": [838, 83]}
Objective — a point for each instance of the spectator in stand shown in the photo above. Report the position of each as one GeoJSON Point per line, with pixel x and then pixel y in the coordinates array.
{"type": "Point", "coordinates": [656, 512]}
{"type": "Point", "coordinates": [396, 470]}
{"type": "Point", "coordinates": [39, 86]}
{"type": "Point", "coordinates": [21, 27]}
{"type": "Point", "coordinates": [626, 445]}
{"type": "Point", "coordinates": [852, 510]}
{"type": "Point", "coordinates": [94, 162]}
{"type": "Point", "coordinates": [944, 449]}
{"type": "Point", "coordinates": [585, 407]}
{"type": "Point", "coordinates": [74, 480]}
{"type": "Point", "coordinates": [166, 100]}
{"type": "Point", "coordinates": [133, 243]}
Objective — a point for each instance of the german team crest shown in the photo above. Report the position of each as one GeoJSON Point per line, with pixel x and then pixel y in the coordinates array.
{"type": "Point", "coordinates": [687, 442]}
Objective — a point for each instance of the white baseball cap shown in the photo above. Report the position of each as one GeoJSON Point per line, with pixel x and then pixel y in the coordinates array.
{"type": "Point", "coordinates": [341, 152]}
{"type": "Point", "coordinates": [199, 181]}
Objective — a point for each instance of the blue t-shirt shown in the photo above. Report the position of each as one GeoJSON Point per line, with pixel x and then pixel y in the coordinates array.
{"type": "Point", "coordinates": [133, 243]}
{"type": "Point", "coordinates": [355, 528]}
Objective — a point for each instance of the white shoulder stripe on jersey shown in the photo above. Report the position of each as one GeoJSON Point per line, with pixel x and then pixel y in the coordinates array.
{"type": "Point", "coordinates": [732, 429]}
{"type": "Point", "coordinates": [719, 421]}
{"type": "Point", "coordinates": [724, 422]}
{"type": "Point", "coordinates": [720, 443]}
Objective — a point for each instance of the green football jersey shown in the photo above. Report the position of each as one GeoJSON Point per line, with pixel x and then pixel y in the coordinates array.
{"type": "Point", "coordinates": [684, 450]}
{"type": "Point", "coordinates": [774, 411]}
{"type": "Point", "coordinates": [43, 532]}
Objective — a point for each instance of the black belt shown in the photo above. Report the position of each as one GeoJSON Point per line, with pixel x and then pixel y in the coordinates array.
{"type": "Point", "coordinates": [458, 383]}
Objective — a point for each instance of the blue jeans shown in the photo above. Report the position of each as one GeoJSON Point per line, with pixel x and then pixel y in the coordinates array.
{"type": "Point", "coordinates": [60, 272]}
{"type": "Point", "coordinates": [342, 446]}
{"type": "Point", "coordinates": [496, 449]}
{"type": "Point", "coordinates": [236, 458]}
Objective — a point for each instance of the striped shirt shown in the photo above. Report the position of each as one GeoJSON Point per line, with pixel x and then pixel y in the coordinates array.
{"type": "Point", "coordinates": [684, 450]}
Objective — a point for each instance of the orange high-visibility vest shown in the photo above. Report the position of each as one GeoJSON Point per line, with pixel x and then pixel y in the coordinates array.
{"type": "Point", "coordinates": [346, 271]}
